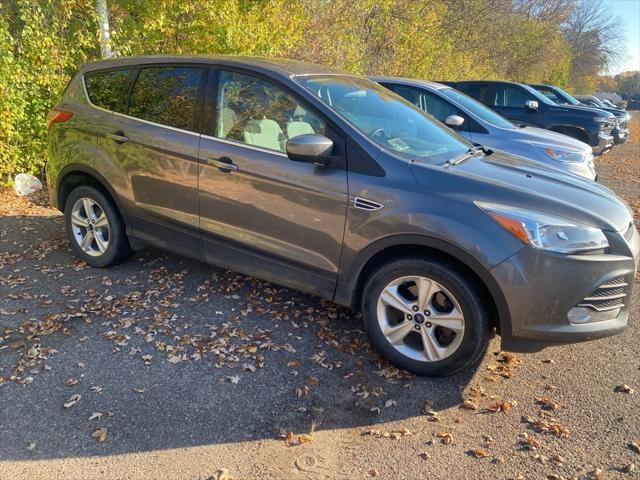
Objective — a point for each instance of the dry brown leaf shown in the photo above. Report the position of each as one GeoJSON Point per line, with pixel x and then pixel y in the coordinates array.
{"type": "Point", "coordinates": [96, 415]}
{"type": "Point", "coordinates": [71, 381]}
{"type": "Point", "coordinates": [138, 390]}
{"type": "Point", "coordinates": [479, 453]}
{"type": "Point", "coordinates": [635, 446]}
{"type": "Point", "coordinates": [100, 434]}
{"type": "Point", "coordinates": [445, 437]}
{"type": "Point", "coordinates": [31, 446]}
{"type": "Point", "coordinates": [625, 389]}
{"type": "Point", "coordinates": [468, 405]}
{"type": "Point", "coordinates": [547, 403]}
{"type": "Point", "coordinates": [73, 399]}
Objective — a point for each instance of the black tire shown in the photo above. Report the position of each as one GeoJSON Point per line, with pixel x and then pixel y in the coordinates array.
{"type": "Point", "coordinates": [477, 325]}
{"type": "Point", "coordinates": [118, 249]}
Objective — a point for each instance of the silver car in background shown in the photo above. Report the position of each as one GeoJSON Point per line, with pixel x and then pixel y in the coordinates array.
{"type": "Point", "coordinates": [481, 125]}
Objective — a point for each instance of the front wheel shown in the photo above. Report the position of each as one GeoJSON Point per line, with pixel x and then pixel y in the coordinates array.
{"type": "Point", "coordinates": [426, 316]}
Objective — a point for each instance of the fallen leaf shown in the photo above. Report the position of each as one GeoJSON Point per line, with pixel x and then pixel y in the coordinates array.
{"type": "Point", "coordinates": [635, 446]}
{"type": "Point", "coordinates": [547, 404]}
{"type": "Point", "coordinates": [234, 379]}
{"type": "Point", "coordinates": [468, 405]}
{"type": "Point", "coordinates": [625, 389]}
{"type": "Point", "coordinates": [479, 453]}
{"type": "Point", "coordinates": [31, 446]}
{"type": "Point", "coordinates": [73, 399]}
{"type": "Point", "coordinates": [138, 390]}
{"type": "Point", "coordinates": [100, 434]}
{"type": "Point", "coordinates": [95, 415]}
{"type": "Point", "coordinates": [223, 474]}
{"type": "Point", "coordinates": [445, 437]}
{"type": "Point", "coordinates": [71, 381]}
{"type": "Point", "coordinates": [374, 472]}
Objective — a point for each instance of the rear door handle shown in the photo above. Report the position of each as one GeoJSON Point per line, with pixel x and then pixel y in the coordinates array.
{"type": "Point", "coordinates": [223, 163]}
{"type": "Point", "coordinates": [118, 137]}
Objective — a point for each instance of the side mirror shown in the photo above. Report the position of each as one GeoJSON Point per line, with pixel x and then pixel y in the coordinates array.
{"type": "Point", "coordinates": [454, 121]}
{"type": "Point", "coordinates": [531, 104]}
{"type": "Point", "coordinates": [310, 148]}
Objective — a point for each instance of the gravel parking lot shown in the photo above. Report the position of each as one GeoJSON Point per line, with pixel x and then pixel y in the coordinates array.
{"type": "Point", "coordinates": [165, 367]}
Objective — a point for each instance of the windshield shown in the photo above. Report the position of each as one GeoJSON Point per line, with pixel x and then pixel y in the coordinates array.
{"type": "Point", "coordinates": [386, 118]}
{"type": "Point", "coordinates": [565, 96]}
{"type": "Point", "coordinates": [478, 109]}
{"type": "Point", "coordinates": [538, 96]}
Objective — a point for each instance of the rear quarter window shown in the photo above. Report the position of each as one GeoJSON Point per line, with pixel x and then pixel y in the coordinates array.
{"type": "Point", "coordinates": [106, 89]}
{"type": "Point", "coordinates": [166, 95]}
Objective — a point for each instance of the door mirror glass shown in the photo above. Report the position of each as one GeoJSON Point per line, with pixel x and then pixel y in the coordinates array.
{"type": "Point", "coordinates": [531, 104]}
{"type": "Point", "coordinates": [454, 121]}
{"type": "Point", "coordinates": [310, 148]}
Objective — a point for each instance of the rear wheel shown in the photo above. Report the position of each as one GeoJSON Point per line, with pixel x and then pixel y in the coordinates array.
{"type": "Point", "coordinates": [94, 228]}
{"type": "Point", "coordinates": [425, 316]}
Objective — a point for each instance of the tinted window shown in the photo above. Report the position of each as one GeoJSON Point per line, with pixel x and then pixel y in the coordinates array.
{"type": "Point", "coordinates": [106, 89]}
{"type": "Point", "coordinates": [411, 95]}
{"type": "Point", "coordinates": [506, 96]}
{"type": "Point", "coordinates": [166, 95]}
{"type": "Point", "coordinates": [385, 118]}
{"type": "Point", "coordinates": [439, 108]}
{"type": "Point", "coordinates": [475, 90]}
{"type": "Point", "coordinates": [476, 108]}
{"type": "Point", "coordinates": [257, 112]}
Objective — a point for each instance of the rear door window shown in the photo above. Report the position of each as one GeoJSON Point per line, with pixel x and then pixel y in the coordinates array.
{"type": "Point", "coordinates": [166, 95]}
{"type": "Point", "coordinates": [107, 89]}
{"type": "Point", "coordinates": [258, 112]}
{"type": "Point", "coordinates": [506, 96]}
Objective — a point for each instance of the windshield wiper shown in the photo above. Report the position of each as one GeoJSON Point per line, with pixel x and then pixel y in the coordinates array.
{"type": "Point", "coordinates": [468, 154]}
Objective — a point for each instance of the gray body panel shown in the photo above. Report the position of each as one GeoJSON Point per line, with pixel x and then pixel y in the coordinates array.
{"type": "Point", "coordinates": [297, 223]}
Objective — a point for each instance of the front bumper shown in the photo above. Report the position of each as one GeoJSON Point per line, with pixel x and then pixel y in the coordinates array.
{"type": "Point", "coordinates": [540, 288]}
{"type": "Point", "coordinates": [620, 135]}
{"type": "Point", "coordinates": [605, 143]}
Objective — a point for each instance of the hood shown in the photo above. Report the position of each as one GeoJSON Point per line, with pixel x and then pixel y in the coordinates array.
{"type": "Point", "coordinates": [514, 181]}
{"type": "Point", "coordinates": [547, 137]}
{"type": "Point", "coordinates": [599, 112]}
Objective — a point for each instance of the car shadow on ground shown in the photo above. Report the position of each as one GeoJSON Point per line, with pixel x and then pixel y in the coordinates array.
{"type": "Point", "coordinates": [167, 352]}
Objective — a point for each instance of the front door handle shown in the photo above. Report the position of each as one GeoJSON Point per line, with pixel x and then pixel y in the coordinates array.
{"type": "Point", "coordinates": [223, 163]}
{"type": "Point", "coordinates": [118, 137]}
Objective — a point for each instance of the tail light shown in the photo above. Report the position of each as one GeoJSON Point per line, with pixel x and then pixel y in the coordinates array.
{"type": "Point", "coordinates": [57, 116]}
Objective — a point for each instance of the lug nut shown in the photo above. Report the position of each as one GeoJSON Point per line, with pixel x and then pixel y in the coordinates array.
{"type": "Point", "coordinates": [417, 327]}
{"type": "Point", "coordinates": [409, 317]}
{"type": "Point", "coordinates": [427, 312]}
{"type": "Point", "coordinates": [415, 308]}
{"type": "Point", "coordinates": [428, 324]}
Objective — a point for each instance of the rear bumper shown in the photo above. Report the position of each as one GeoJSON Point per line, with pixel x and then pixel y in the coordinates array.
{"type": "Point", "coordinates": [541, 288]}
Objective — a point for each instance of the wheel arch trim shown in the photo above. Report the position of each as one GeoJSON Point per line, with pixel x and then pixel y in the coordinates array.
{"type": "Point", "coordinates": [347, 288]}
{"type": "Point", "coordinates": [87, 170]}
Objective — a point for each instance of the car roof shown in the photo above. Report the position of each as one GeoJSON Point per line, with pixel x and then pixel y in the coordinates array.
{"type": "Point", "coordinates": [283, 66]}
{"type": "Point", "coordinates": [409, 81]}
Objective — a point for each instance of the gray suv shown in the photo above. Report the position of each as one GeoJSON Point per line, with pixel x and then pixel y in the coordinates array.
{"type": "Point", "coordinates": [329, 183]}
{"type": "Point", "coordinates": [482, 126]}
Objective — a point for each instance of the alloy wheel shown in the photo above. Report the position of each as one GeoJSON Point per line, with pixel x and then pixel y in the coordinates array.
{"type": "Point", "coordinates": [90, 226]}
{"type": "Point", "coordinates": [420, 318]}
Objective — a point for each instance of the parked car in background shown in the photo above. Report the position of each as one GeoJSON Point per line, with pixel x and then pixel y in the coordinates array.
{"type": "Point", "coordinates": [621, 130]}
{"type": "Point", "coordinates": [483, 126]}
{"type": "Point", "coordinates": [329, 183]}
{"type": "Point", "coordinates": [524, 105]}
{"type": "Point", "coordinates": [610, 104]}
{"type": "Point", "coordinates": [633, 101]}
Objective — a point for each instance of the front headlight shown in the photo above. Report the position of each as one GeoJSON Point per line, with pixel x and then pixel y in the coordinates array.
{"type": "Point", "coordinates": [600, 119]}
{"type": "Point", "coordinates": [546, 232]}
{"type": "Point", "coordinates": [561, 154]}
